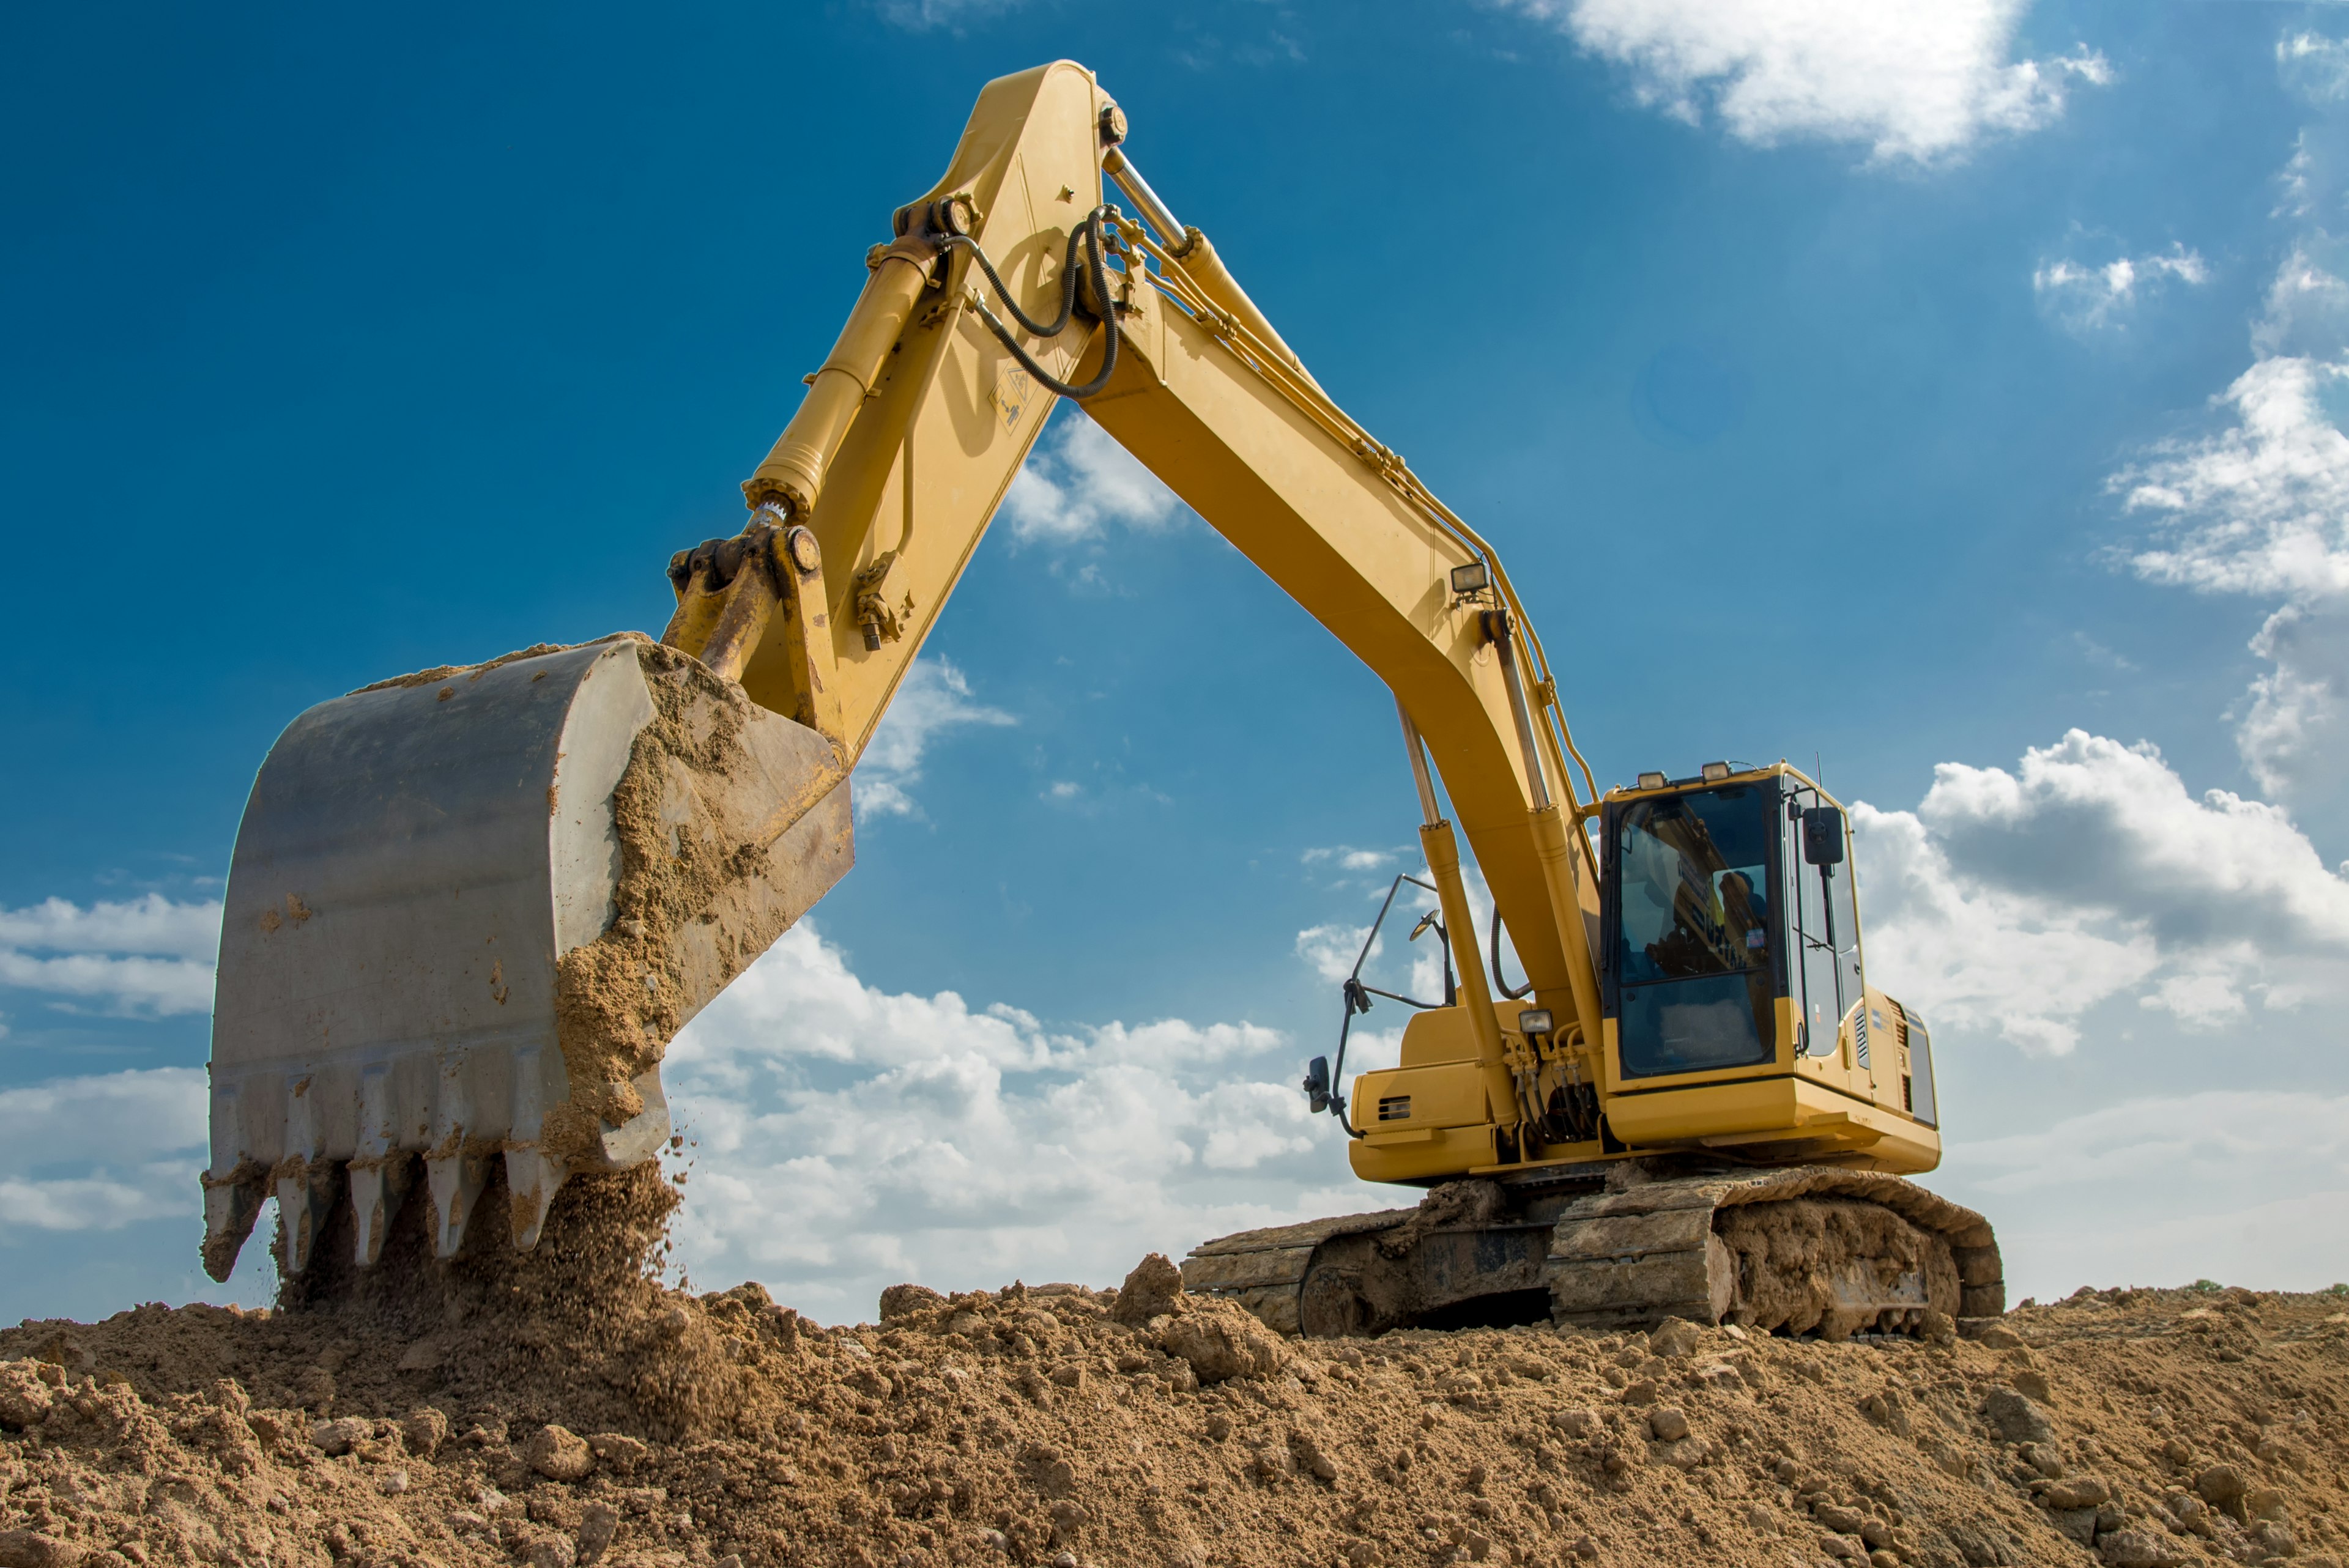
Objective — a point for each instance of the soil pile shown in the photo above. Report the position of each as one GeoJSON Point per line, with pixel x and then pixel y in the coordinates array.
{"type": "Point", "coordinates": [520, 1409]}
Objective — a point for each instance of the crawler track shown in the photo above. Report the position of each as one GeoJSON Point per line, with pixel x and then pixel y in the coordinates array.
{"type": "Point", "coordinates": [1810, 1249]}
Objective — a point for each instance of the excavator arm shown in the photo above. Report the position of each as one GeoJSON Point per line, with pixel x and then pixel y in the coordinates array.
{"type": "Point", "coordinates": [470, 908]}
{"type": "Point", "coordinates": [913, 427]}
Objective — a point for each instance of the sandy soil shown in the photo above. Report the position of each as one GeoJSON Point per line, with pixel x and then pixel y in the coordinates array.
{"type": "Point", "coordinates": [529, 1410]}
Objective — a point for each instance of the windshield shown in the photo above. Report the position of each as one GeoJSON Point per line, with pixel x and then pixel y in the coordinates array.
{"type": "Point", "coordinates": [1695, 944]}
{"type": "Point", "coordinates": [1693, 888]}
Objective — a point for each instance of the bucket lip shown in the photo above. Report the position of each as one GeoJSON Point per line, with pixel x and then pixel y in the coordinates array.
{"type": "Point", "coordinates": [442, 674]}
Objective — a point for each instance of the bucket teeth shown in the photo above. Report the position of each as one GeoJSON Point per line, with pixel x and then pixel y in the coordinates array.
{"type": "Point", "coordinates": [531, 1176]}
{"type": "Point", "coordinates": [305, 1181]}
{"type": "Point", "coordinates": [531, 1181]}
{"type": "Point", "coordinates": [232, 1203]}
{"type": "Point", "coordinates": [456, 1180]}
{"type": "Point", "coordinates": [377, 1188]}
{"type": "Point", "coordinates": [380, 1171]}
{"type": "Point", "coordinates": [305, 1195]}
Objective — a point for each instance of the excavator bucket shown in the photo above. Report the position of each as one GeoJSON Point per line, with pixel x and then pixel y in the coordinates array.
{"type": "Point", "coordinates": [468, 911]}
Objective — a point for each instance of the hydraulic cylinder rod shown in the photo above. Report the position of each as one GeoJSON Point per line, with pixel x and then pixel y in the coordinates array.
{"type": "Point", "coordinates": [1443, 852]}
{"type": "Point", "coordinates": [1552, 848]}
{"type": "Point", "coordinates": [794, 468]}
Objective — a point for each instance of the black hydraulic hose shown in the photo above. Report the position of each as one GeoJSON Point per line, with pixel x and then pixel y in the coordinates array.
{"type": "Point", "coordinates": [1089, 233]}
{"type": "Point", "coordinates": [1067, 275]}
{"type": "Point", "coordinates": [1519, 993]}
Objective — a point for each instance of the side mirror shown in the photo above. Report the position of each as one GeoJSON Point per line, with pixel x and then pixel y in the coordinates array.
{"type": "Point", "coordinates": [1822, 836]}
{"type": "Point", "coordinates": [1317, 1084]}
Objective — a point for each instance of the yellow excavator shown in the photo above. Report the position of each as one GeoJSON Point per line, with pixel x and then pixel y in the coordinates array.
{"type": "Point", "coordinates": [468, 908]}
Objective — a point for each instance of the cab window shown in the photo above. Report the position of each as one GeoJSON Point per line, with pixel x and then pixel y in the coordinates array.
{"type": "Point", "coordinates": [1695, 947]}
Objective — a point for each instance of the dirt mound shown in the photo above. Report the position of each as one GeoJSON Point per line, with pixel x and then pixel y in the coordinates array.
{"type": "Point", "coordinates": [520, 1409]}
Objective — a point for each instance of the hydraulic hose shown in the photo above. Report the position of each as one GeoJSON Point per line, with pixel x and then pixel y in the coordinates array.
{"type": "Point", "coordinates": [1089, 234]}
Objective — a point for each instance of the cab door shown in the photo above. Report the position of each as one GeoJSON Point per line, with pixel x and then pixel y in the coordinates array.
{"type": "Point", "coordinates": [1826, 982]}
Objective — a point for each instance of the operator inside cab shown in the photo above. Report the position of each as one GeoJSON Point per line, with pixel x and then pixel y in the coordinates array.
{"type": "Point", "coordinates": [1694, 970]}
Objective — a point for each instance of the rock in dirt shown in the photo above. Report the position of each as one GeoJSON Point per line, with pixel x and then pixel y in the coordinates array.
{"type": "Point", "coordinates": [558, 1453]}
{"type": "Point", "coordinates": [32, 1548]}
{"type": "Point", "coordinates": [2138, 1549]}
{"type": "Point", "coordinates": [1222, 1342]}
{"type": "Point", "coordinates": [424, 1431]}
{"type": "Point", "coordinates": [1674, 1338]}
{"type": "Point", "coordinates": [334, 1438]}
{"type": "Point", "coordinates": [1154, 1289]}
{"type": "Point", "coordinates": [25, 1398]}
{"type": "Point", "coordinates": [618, 1449]}
{"type": "Point", "coordinates": [2018, 1418]}
{"type": "Point", "coordinates": [2221, 1484]}
{"type": "Point", "coordinates": [597, 1525]}
{"type": "Point", "coordinates": [2081, 1491]}
{"type": "Point", "coordinates": [905, 1300]}
{"type": "Point", "coordinates": [1576, 1423]}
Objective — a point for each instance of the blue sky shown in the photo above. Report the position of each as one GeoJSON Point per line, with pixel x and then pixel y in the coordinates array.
{"type": "Point", "coordinates": [1911, 386]}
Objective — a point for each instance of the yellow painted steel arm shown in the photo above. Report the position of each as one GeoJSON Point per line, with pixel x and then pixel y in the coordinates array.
{"type": "Point", "coordinates": [914, 427]}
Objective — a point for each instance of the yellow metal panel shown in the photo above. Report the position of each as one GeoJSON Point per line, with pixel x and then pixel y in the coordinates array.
{"type": "Point", "coordinates": [1438, 1035]}
{"type": "Point", "coordinates": [1790, 1107]}
{"type": "Point", "coordinates": [1445, 1094]}
{"type": "Point", "coordinates": [1449, 1154]}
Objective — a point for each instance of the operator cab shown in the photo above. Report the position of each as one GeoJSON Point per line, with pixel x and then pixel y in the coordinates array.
{"type": "Point", "coordinates": [1734, 1020]}
{"type": "Point", "coordinates": [1724, 895]}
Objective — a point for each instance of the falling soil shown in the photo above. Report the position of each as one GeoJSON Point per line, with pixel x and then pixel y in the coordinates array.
{"type": "Point", "coordinates": [620, 998]}
{"type": "Point", "coordinates": [562, 1408]}
{"type": "Point", "coordinates": [731, 822]}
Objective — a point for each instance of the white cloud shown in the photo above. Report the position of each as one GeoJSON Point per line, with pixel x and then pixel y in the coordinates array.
{"type": "Point", "coordinates": [2294, 731]}
{"type": "Point", "coordinates": [2096, 653]}
{"type": "Point", "coordinates": [2247, 1188]}
{"type": "Point", "coordinates": [1978, 957]}
{"type": "Point", "coordinates": [1913, 80]}
{"type": "Point", "coordinates": [912, 1137]}
{"type": "Point", "coordinates": [921, 15]}
{"type": "Point", "coordinates": [101, 1153]}
{"type": "Point", "coordinates": [2086, 297]}
{"type": "Point", "coordinates": [2307, 304]}
{"type": "Point", "coordinates": [934, 696]}
{"type": "Point", "coordinates": [2262, 508]}
{"type": "Point", "coordinates": [2315, 65]}
{"type": "Point", "coordinates": [148, 956]}
{"type": "Point", "coordinates": [152, 925]}
{"type": "Point", "coordinates": [1331, 950]}
{"type": "Point", "coordinates": [2017, 902]}
{"type": "Point", "coordinates": [1078, 482]}
{"type": "Point", "coordinates": [1345, 857]}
